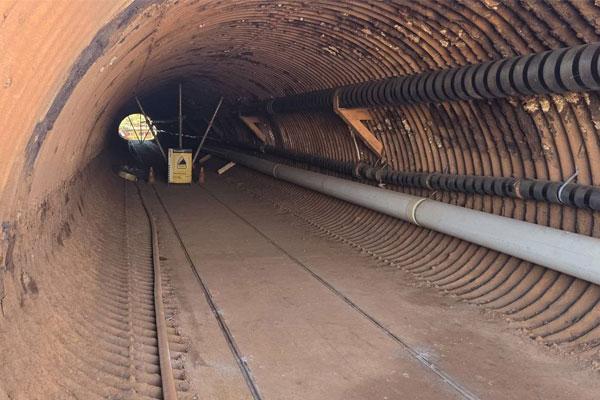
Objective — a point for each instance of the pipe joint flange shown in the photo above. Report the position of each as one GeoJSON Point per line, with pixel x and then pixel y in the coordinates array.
{"type": "Point", "coordinates": [412, 210]}
{"type": "Point", "coordinates": [433, 181]}
{"type": "Point", "coordinates": [423, 179]}
{"type": "Point", "coordinates": [515, 191]}
{"type": "Point", "coordinates": [274, 170]}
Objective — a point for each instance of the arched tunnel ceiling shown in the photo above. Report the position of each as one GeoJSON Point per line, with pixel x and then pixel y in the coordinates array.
{"type": "Point", "coordinates": [68, 68]}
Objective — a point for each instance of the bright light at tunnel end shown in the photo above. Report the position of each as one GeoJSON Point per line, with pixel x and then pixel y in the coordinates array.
{"type": "Point", "coordinates": [135, 127]}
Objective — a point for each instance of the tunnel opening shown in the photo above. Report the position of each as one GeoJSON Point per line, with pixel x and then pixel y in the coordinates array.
{"type": "Point", "coordinates": [272, 274]}
{"type": "Point", "coordinates": [136, 127]}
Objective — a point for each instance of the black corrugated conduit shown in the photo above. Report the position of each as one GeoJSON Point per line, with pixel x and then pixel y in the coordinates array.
{"type": "Point", "coordinates": [571, 194]}
{"type": "Point", "coordinates": [570, 253]}
{"type": "Point", "coordinates": [570, 69]}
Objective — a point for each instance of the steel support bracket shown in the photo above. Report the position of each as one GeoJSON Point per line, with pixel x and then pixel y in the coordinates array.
{"type": "Point", "coordinates": [354, 118]}
{"type": "Point", "coordinates": [252, 123]}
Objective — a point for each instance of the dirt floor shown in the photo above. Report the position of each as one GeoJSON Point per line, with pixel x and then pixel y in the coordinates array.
{"type": "Point", "coordinates": [305, 317]}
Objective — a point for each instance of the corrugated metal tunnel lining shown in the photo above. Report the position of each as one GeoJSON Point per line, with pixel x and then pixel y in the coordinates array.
{"type": "Point", "coordinates": [69, 72]}
{"type": "Point", "coordinates": [261, 50]}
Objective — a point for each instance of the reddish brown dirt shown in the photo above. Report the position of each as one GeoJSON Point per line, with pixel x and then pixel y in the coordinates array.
{"type": "Point", "coordinates": [302, 341]}
{"type": "Point", "coordinates": [67, 67]}
{"type": "Point", "coordinates": [555, 309]}
{"type": "Point", "coordinates": [77, 317]}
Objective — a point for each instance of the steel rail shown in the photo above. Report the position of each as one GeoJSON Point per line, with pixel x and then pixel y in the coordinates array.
{"type": "Point", "coordinates": [169, 390]}
{"type": "Point", "coordinates": [419, 356]}
{"type": "Point", "coordinates": [233, 347]}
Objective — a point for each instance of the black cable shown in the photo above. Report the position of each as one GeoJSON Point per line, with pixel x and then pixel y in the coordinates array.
{"type": "Point", "coordinates": [571, 194]}
{"type": "Point", "coordinates": [573, 69]}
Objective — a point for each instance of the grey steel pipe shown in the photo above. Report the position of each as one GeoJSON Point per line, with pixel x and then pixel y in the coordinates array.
{"type": "Point", "coordinates": [569, 194]}
{"type": "Point", "coordinates": [566, 252]}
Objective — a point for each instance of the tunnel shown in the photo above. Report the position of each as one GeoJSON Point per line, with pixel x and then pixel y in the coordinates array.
{"type": "Point", "coordinates": [391, 199]}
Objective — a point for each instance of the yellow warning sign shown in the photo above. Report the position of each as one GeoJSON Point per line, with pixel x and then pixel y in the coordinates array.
{"type": "Point", "coordinates": [180, 166]}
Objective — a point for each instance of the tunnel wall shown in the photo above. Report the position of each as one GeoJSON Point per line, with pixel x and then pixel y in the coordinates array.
{"type": "Point", "coordinates": [68, 68]}
{"type": "Point", "coordinates": [557, 310]}
{"type": "Point", "coordinates": [94, 59]}
{"type": "Point", "coordinates": [59, 303]}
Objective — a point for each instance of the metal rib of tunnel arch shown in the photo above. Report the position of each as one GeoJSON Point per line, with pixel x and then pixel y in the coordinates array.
{"type": "Point", "coordinates": [513, 119]}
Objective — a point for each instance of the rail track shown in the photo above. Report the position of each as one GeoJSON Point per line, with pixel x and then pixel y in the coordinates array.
{"type": "Point", "coordinates": [437, 372]}
{"type": "Point", "coordinates": [137, 339]}
{"type": "Point", "coordinates": [160, 207]}
{"type": "Point", "coordinates": [553, 308]}
{"type": "Point", "coordinates": [168, 388]}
